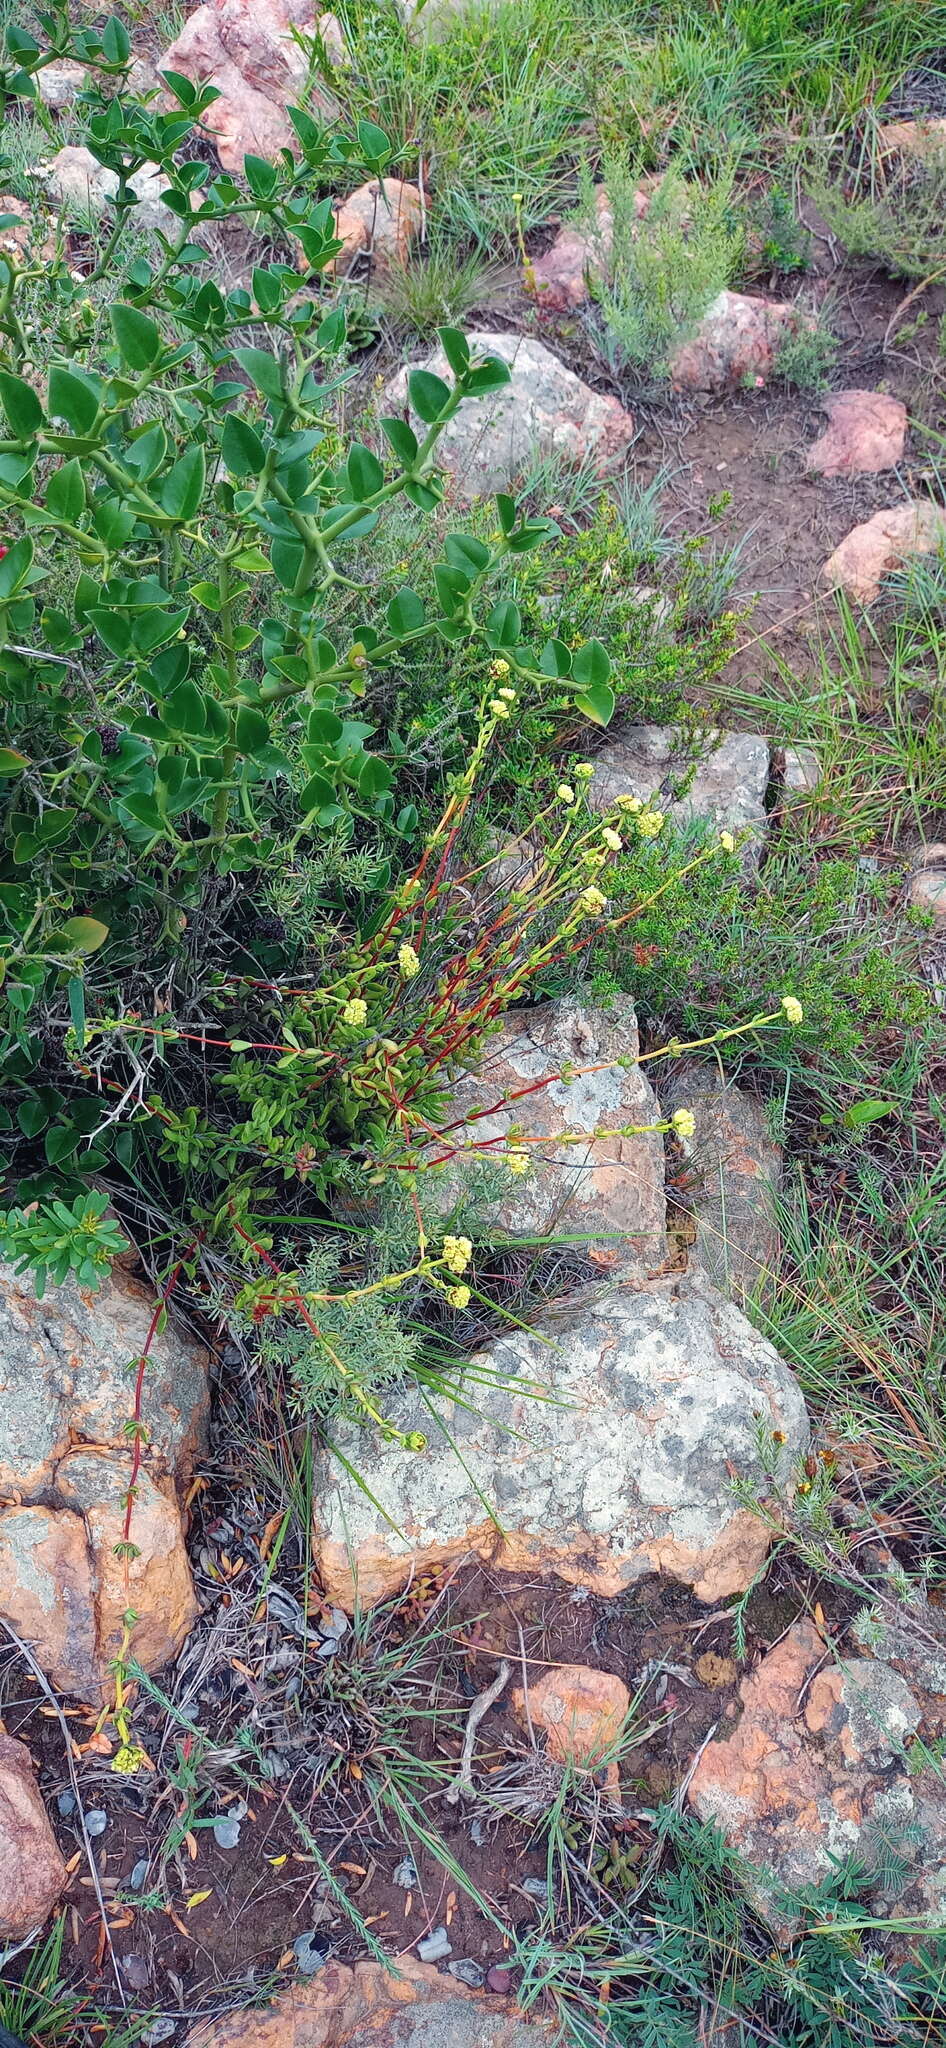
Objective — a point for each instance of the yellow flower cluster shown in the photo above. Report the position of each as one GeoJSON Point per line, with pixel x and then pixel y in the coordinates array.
{"type": "Point", "coordinates": [458, 1297]}
{"type": "Point", "coordinates": [408, 962]}
{"type": "Point", "coordinates": [591, 902]}
{"type": "Point", "coordinates": [650, 823]}
{"type": "Point", "coordinates": [727, 842]}
{"type": "Point", "coordinates": [565, 793]}
{"type": "Point", "coordinates": [683, 1122]}
{"type": "Point", "coordinates": [355, 1011]}
{"type": "Point", "coordinates": [456, 1254]}
{"type": "Point", "coordinates": [518, 1162]}
{"type": "Point", "coordinates": [612, 839]}
{"type": "Point", "coordinates": [792, 1009]}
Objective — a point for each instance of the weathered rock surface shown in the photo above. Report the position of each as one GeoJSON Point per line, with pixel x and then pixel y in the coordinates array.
{"type": "Point", "coordinates": [246, 49]}
{"type": "Point", "coordinates": [925, 139]}
{"type": "Point", "coordinates": [927, 886]}
{"type": "Point", "coordinates": [814, 1771]}
{"type": "Point", "coordinates": [65, 1400]}
{"type": "Point", "coordinates": [64, 1377]}
{"type": "Point", "coordinates": [866, 432]}
{"type": "Point", "coordinates": [579, 1710]}
{"type": "Point", "coordinates": [84, 188]}
{"type": "Point", "coordinates": [736, 342]}
{"type": "Point", "coordinates": [727, 789]}
{"type": "Point", "coordinates": [367, 2006]}
{"type": "Point", "coordinates": [801, 771]}
{"type": "Point", "coordinates": [652, 1400]}
{"type": "Point", "coordinates": [734, 1167]}
{"type": "Point", "coordinates": [544, 410]}
{"type": "Point", "coordinates": [883, 543]}
{"type": "Point", "coordinates": [32, 1872]}
{"type": "Point", "coordinates": [382, 219]}
{"type": "Point", "coordinates": [60, 84]}
{"type": "Point", "coordinates": [606, 1191]}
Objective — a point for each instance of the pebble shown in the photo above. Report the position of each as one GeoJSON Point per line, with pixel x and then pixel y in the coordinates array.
{"type": "Point", "coordinates": [96, 1822]}
{"type": "Point", "coordinates": [139, 1876]}
{"type": "Point", "coordinates": [435, 1946]}
{"type": "Point", "coordinates": [498, 1978]}
{"type": "Point", "coordinates": [536, 1888]}
{"type": "Point", "coordinates": [468, 1972]}
{"type": "Point", "coordinates": [406, 1875]}
{"type": "Point", "coordinates": [337, 1626]}
{"type": "Point", "coordinates": [136, 1972]}
{"type": "Point", "coordinates": [477, 1834]}
{"type": "Point", "coordinates": [226, 1831]}
{"type": "Point", "coordinates": [159, 2030]}
{"type": "Point", "coordinates": [310, 1952]}
{"type": "Point", "coordinates": [66, 1803]}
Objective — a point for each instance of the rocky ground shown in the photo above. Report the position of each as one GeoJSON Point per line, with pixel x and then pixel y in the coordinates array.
{"type": "Point", "coordinates": [359, 1714]}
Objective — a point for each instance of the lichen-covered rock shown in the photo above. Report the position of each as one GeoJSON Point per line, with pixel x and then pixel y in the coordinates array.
{"type": "Point", "coordinates": [737, 342]}
{"type": "Point", "coordinates": [866, 432]}
{"type": "Point", "coordinates": [32, 1872]}
{"type": "Point", "coordinates": [801, 772]}
{"type": "Point", "coordinates": [734, 1168]}
{"type": "Point", "coordinates": [727, 788]}
{"type": "Point", "coordinates": [815, 1771]}
{"type": "Point", "coordinates": [66, 1399]}
{"type": "Point", "coordinates": [647, 1403]}
{"type": "Point", "coordinates": [544, 410]}
{"type": "Point", "coordinates": [924, 140]}
{"type": "Point", "coordinates": [366, 2005]}
{"type": "Point", "coordinates": [606, 1191]}
{"type": "Point", "coordinates": [884, 543]}
{"type": "Point", "coordinates": [247, 49]}
{"type": "Point", "coordinates": [381, 219]}
{"type": "Point", "coordinates": [64, 1376]}
{"type": "Point", "coordinates": [579, 1710]}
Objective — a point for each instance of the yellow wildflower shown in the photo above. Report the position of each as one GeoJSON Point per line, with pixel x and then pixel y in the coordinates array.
{"type": "Point", "coordinates": [584, 771]}
{"type": "Point", "coordinates": [355, 1011]}
{"type": "Point", "coordinates": [565, 793]}
{"type": "Point", "coordinates": [408, 962]}
{"type": "Point", "coordinates": [458, 1297]}
{"type": "Point", "coordinates": [650, 823]}
{"type": "Point", "coordinates": [612, 839]}
{"type": "Point", "coordinates": [498, 669]}
{"type": "Point", "coordinates": [498, 708]}
{"type": "Point", "coordinates": [591, 902]}
{"type": "Point", "coordinates": [456, 1254]}
{"type": "Point", "coordinates": [793, 1009]}
{"type": "Point", "coordinates": [629, 803]}
{"type": "Point", "coordinates": [683, 1123]}
{"type": "Point", "coordinates": [518, 1162]}
{"type": "Point", "coordinates": [727, 842]}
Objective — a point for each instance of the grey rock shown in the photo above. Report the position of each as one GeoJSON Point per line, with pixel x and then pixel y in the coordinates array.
{"type": "Point", "coordinates": [544, 410]}
{"type": "Point", "coordinates": [536, 1887]}
{"type": "Point", "coordinates": [406, 1875]}
{"type": "Point", "coordinates": [66, 1804]}
{"type": "Point", "coordinates": [139, 1875]}
{"type": "Point", "coordinates": [136, 1972]}
{"type": "Point", "coordinates": [727, 789]}
{"type": "Point", "coordinates": [801, 771]}
{"type": "Point", "coordinates": [64, 1374]}
{"type": "Point", "coordinates": [85, 189]}
{"type": "Point", "coordinates": [607, 1192]}
{"type": "Point", "coordinates": [160, 2030]}
{"type": "Point", "coordinates": [226, 1832]}
{"type": "Point", "coordinates": [96, 1822]}
{"type": "Point", "coordinates": [733, 1168]}
{"type": "Point", "coordinates": [467, 1971]}
{"type": "Point", "coordinates": [311, 1951]}
{"type": "Point", "coordinates": [911, 1638]}
{"type": "Point", "coordinates": [435, 1946]}
{"type": "Point", "coordinates": [648, 1402]}
{"type": "Point", "coordinates": [60, 84]}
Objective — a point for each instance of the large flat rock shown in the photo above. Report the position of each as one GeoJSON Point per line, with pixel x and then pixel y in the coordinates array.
{"type": "Point", "coordinates": [599, 1445]}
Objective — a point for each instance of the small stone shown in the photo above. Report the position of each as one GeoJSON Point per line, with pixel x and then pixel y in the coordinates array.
{"type": "Point", "coordinates": [435, 1946]}
{"type": "Point", "coordinates": [927, 886]}
{"type": "Point", "coordinates": [311, 1952]}
{"type": "Point", "coordinates": [500, 1978]}
{"type": "Point", "coordinates": [884, 543]}
{"type": "Point", "coordinates": [406, 1875]}
{"type": "Point", "coordinates": [381, 220]}
{"type": "Point", "coordinates": [66, 1803]}
{"type": "Point", "coordinates": [536, 1888]}
{"type": "Point", "coordinates": [336, 1627]}
{"type": "Point", "coordinates": [715, 1671]}
{"type": "Point", "coordinates": [139, 1875]}
{"type": "Point", "coordinates": [84, 188]}
{"type": "Point", "coordinates": [159, 2030]}
{"type": "Point", "coordinates": [581, 1711]}
{"type": "Point", "coordinates": [544, 409]}
{"type": "Point", "coordinates": [924, 140]}
{"type": "Point", "coordinates": [226, 1832]}
{"type": "Point", "coordinates": [801, 771]}
{"type": "Point", "coordinates": [736, 343]}
{"type": "Point", "coordinates": [468, 1972]}
{"type": "Point", "coordinates": [866, 433]}
{"type": "Point", "coordinates": [60, 84]}
{"type": "Point", "coordinates": [96, 1822]}
{"type": "Point", "coordinates": [136, 1972]}
{"type": "Point", "coordinates": [582, 251]}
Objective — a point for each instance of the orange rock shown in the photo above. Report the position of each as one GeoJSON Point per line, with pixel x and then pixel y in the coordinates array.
{"type": "Point", "coordinates": [579, 253]}
{"type": "Point", "coordinates": [735, 343]}
{"type": "Point", "coordinates": [866, 432]}
{"type": "Point", "coordinates": [46, 1593]}
{"type": "Point", "coordinates": [925, 140]}
{"type": "Point", "coordinates": [383, 218]}
{"type": "Point", "coordinates": [157, 1583]}
{"type": "Point", "coordinates": [247, 50]}
{"type": "Point", "coordinates": [409, 2005]}
{"type": "Point", "coordinates": [581, 1711]}
{"type": "Point", "coordinates": [927, 889]}
{"type": "Point", "coordinates": [883, 543]}
{"type": "Point", "coordinates": [32, 1872]}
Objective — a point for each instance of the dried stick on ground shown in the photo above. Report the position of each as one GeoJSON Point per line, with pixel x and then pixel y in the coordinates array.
{"type": "Point", "coordinates": [463, 1786]}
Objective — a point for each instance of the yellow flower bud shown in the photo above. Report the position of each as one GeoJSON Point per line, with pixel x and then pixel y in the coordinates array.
{"type": "Point", "coordinates": [793, 1009]}
{"type": "Point", "coordinates": [408, 962]}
